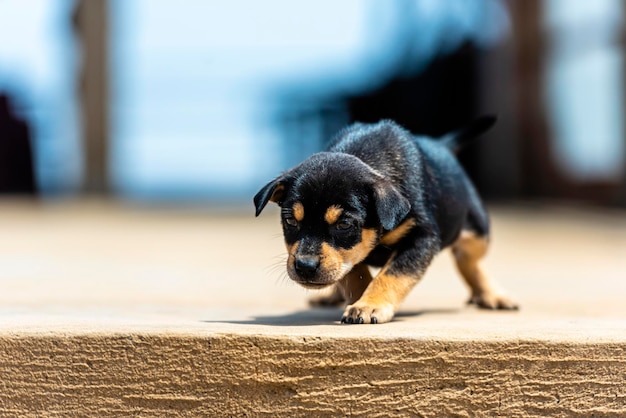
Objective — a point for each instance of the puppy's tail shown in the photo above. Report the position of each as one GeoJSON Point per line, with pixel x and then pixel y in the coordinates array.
{"type": "Point", "coordinates": [456, 140]}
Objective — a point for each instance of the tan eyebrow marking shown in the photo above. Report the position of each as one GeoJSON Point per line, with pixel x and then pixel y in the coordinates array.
{"type": "Point", "coordinates": [298, 211]}
{"type": "Point", "coordinates": [332, 214]}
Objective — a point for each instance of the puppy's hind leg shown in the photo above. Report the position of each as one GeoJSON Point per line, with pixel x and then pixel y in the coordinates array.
{"type": "Point", "coordinates": [468, 250]}
{"type": "Point", "coordinates": [354, 283]}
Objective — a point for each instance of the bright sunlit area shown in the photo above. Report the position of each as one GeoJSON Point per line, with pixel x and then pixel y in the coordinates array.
{"type": "Point", "coordinates": [139, 139]}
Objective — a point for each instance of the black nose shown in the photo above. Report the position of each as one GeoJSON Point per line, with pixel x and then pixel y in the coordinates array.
{"type": "Point", "coordinates": [306, 266]}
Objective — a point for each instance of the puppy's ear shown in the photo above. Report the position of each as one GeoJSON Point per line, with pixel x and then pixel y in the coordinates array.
{"type": "Point", "coordinates": [391, 206]}
{"type": "Point", "coordinates": [272, 191]}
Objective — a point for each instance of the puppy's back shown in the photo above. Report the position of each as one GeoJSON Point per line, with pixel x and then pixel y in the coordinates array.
{"type": "Point", "coordinates": [385, 146]}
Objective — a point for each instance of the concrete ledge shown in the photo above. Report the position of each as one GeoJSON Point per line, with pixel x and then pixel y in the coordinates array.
{"type": "Point", "coordinates": [117, 311]}
{"type": "Point", "coordinates": [132, 374]}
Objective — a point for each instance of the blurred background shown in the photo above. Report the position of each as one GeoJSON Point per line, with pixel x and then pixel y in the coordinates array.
{"type": "Point", "coordinates": [133, 135]}
{"type": "Point", "coordinates": [205, 101]}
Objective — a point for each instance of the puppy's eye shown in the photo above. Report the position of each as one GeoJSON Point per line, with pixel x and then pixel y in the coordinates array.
{"type": "Point", "coordinates": [343, 226]}
{"type": "Point", "coordinates": [291, 221]}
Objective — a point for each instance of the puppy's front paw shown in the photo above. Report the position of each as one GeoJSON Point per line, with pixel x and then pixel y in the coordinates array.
{"type": "Point", "coordinates": [490, 300]}
{"type": "Point", "coordinates": [367, 313]}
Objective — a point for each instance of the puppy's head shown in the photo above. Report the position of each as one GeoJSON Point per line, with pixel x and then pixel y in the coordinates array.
{"type": "Point", "coordinates": [333, 210]}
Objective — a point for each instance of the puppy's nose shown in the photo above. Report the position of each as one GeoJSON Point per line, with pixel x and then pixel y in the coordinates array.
{"type": "Point", "coordinates": [306, 265]}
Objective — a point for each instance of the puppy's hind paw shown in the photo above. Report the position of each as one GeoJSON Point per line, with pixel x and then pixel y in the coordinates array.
{"type": "Point", "coordinates": [493, 301]}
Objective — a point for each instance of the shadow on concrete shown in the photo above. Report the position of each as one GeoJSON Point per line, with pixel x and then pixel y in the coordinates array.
{"type": "Point", "coordinates": [321, 316]}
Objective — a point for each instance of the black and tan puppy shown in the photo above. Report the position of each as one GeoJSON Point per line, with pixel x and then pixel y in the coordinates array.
{"type": "Point", "coordinates": [382, 197]}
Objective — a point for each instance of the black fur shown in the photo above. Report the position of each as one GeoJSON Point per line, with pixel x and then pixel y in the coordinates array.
{"type": "Point", "coordinates": [381, 175]}
{"type": "Point", "coordinates": [405, 175]}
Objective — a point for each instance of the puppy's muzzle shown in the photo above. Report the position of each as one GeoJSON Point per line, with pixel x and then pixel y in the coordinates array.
{"type": "Point", "coordinates": [307, 266]}
{"type": "Point", "coordinates": [308, 271]}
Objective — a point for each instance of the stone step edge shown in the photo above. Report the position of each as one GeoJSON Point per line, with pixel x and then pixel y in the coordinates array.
{"type": "Point", "coordinates": [155, 374]}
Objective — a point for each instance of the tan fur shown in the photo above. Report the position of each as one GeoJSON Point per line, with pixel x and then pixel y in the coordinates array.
{"type": "Point", "coordinates": [354, 283]}
{"type": "Point", "coordinates": [298, 211]}
{"type": "Point", "coordinates": [332, 214]}
{"type": "Point", "coordinates": [468, 250]}
{"type": "Point", "coordinates": [349, 289]}
{"type": "Point", "coordinates": [291, 251]}
{"type": "Point", "coordinates": [341, 261]}
{"type": "Point", "coordinates": [397, 234]}
{"type": "Point", "coordinates": [382, 297]}
{"type": "Point", "coordinates": [277, 195]}
{"type": "Point", "coordinates": [386, 288]}
{"type": "Point", "coordinates": [358, 253]}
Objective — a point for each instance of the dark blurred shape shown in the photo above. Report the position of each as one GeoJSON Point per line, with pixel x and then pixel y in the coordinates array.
{"type": "Point", "coordinates": [429, 93]}
{"type": "Point", "coordinates": [437, 99]}
{"type": "Point", "coordinates": [540, 175]}
{"type": "Point", "coordinates": [16, 157]}
{"type": "Point", "coordinates": [521, 157]}
{"type": "Point", "coordinates": [434, 101]}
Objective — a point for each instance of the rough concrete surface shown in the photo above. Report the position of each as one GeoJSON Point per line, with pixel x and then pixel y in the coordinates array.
{"type": "Point", "coordinates": [115, 310]}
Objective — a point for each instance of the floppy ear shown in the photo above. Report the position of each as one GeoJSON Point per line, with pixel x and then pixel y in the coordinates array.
{"type": "Point", "coordinates": [391, 206]}
{"type": "Point", "coordinates": [272, 191]}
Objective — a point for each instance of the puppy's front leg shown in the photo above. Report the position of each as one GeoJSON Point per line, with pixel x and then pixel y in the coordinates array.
{"type": "Point", "coordinates": [393, 283]}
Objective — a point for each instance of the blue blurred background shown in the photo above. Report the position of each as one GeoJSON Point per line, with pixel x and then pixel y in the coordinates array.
{"type": "Point", "coordinates": [205, 101]}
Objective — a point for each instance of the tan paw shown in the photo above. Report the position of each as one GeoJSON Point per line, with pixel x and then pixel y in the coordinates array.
{"type": "Point", "coordinates": [364, 313]}
{"type": "Point", "coordinates": [493, 301]}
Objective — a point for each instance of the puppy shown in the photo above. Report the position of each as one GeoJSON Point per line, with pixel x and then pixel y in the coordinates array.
{"type": "Point", "coordinates": [382, 197]}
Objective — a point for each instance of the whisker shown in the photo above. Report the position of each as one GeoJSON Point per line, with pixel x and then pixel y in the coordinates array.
{"type": "Point", "coordinates": [279, 258]}
{"type": "Point", "coordinates": [283, 279]}
{"type": "Point", "coordinates": [278, 266]}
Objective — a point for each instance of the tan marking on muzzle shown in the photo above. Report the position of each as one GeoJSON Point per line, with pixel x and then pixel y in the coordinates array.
{"type": "Point", "coordinates": [338, 262]}
{"type": "Point", "coordinates": [291, 251]}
